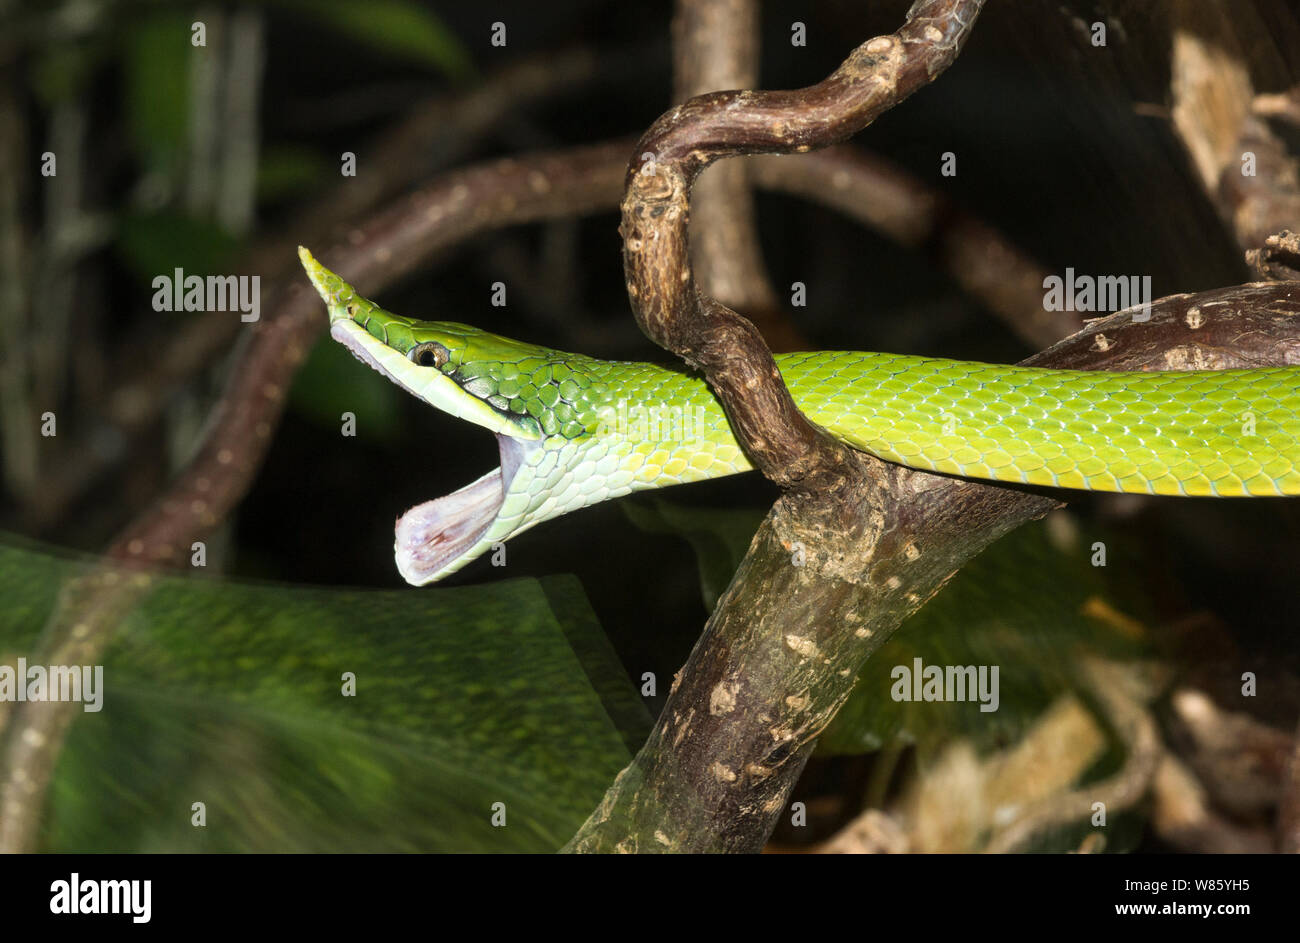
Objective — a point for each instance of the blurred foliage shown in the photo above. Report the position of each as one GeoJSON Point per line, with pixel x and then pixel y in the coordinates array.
{"type": "Point", "coordinates": [720, 537]}
{"type": "Point", "coordinates": [153, 52]}
{"type": "Point", "coordinates": [230, 694]}
{"type": "Point", "coordinates": [1019, 605]}
{"type": "Point", "coordinates": [329, 383]}
{"type": "Point", "coordinates": [286, 171]}
{"type": "Point", "coordinates": [157, 104]}
{"type": "Point", "coordinates": [60, 72]}
{"type": "Point", "coordinates": [396, 27]}
{"type": "Point", "coordinates": [153, 244]}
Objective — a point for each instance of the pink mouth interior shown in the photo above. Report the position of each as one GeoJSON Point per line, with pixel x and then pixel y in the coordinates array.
{"type": "Point", "coordinates": [432, 535]}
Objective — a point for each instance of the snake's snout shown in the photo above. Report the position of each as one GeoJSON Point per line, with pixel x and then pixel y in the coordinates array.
{"type": "Point", "coordinates": [335, 292]}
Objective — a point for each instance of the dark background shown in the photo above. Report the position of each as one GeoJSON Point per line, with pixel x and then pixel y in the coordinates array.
{"type": "Point", "coordinates": [1065, 147]}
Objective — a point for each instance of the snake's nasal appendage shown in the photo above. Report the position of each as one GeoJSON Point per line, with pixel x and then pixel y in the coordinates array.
{"type": "Point", "coordinates": [574, 431]}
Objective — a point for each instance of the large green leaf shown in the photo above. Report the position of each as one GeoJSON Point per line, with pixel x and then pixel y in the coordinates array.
{"type": "Point", "coordinates": [229, 694]}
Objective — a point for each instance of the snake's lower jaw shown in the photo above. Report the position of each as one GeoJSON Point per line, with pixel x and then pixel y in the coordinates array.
{"type": "Point", "coordinates": [438, 537]}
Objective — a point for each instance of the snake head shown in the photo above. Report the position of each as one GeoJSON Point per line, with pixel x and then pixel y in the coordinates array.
{"type": "Point", "coordinates": [529, 396]}
{"type": "Point", "coordinates": [452, 367]}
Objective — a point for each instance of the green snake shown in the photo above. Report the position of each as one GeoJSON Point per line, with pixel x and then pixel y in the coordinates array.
{"type": "Point", "coordinates": [574, 431]}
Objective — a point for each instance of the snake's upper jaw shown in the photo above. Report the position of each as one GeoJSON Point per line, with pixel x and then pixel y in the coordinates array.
{"type": "Point", "coordinates": [440, 536]}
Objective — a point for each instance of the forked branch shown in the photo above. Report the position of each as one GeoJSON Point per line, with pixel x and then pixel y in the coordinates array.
{"type": "Point", "coordinates": [656, 211]}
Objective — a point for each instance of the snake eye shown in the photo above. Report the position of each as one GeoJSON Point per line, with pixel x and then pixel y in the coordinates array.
{"type": "Point", "coordinates": [428, 354]}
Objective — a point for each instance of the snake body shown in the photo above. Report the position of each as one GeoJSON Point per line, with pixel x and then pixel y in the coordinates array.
{"type": "Point", "coordinates": [574, 430]}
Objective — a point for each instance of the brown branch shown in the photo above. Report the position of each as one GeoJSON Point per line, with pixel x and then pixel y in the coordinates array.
{"type": "Point", "coordinates": [724, 346]}
{"type": "Point", "coordinates": [1214, 116]}
{"type": "Point", "coordinates": [455, 207]}
{"type": "Point", "coordinates": [1278, 259]}
{"type": "Point", "coordinates": [679, 794]}
{"type": "Point", "coordinates": [715, 48]}
{"type": "Point", "coordinates": [785, 644]}
{"type": "Point", "coordinates": [437, 132]}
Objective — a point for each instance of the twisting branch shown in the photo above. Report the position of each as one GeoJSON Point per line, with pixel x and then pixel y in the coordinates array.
{"type": "Point", "coordinates": [715, 48]}
{"type": "Point", "coordinates": [724, 346]}
{"type": "Point", "coordinates": [741, 718]}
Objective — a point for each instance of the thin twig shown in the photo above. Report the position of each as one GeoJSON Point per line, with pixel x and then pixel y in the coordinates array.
{"type": "Point", "coordinates": [236, 188]}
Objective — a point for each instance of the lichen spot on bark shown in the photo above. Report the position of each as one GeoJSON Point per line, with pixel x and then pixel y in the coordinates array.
{"type": "Point", "coordinates": [803, 646]}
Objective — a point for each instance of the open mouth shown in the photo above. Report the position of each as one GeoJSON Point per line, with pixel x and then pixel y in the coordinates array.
{"type": "Point", "coordinates": [433, 535]}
